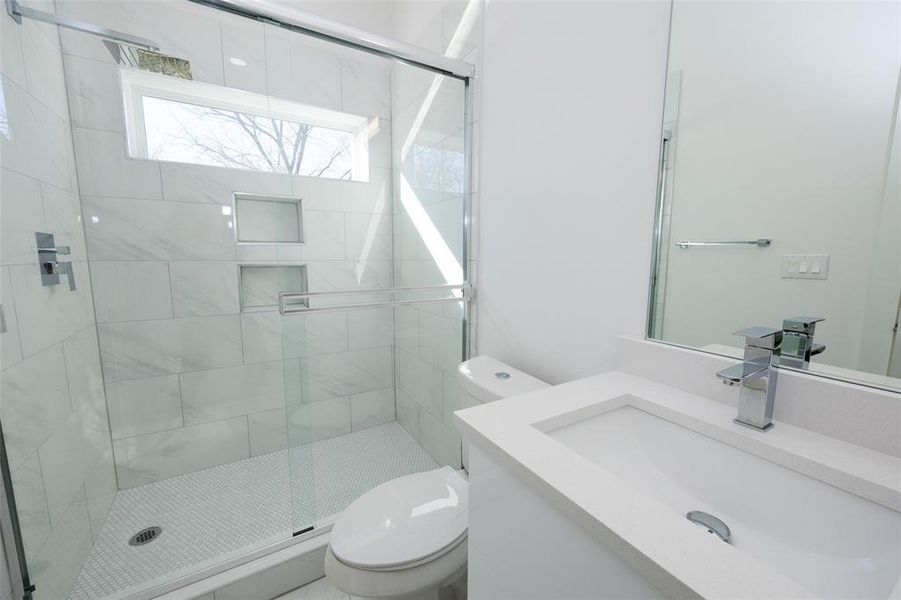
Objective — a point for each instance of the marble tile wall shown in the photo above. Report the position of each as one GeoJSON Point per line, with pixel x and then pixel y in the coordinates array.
{"type": "Point", "coordinates": [51, 387]}
{"type": "Point", "coordinates": [194, 380]}
{"type": "Point", "coordinates": [428, 153]}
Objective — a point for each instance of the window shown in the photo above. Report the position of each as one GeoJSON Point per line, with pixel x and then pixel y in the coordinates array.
{"type": "Point", "coordinates": [178, 120]}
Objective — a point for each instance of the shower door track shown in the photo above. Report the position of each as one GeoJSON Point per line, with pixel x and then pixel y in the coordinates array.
{"type": "Point", "coordinates": [334, 31]}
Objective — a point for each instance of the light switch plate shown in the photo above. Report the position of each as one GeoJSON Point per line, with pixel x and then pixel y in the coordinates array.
{"type": "Point", "coordinates": [805, 266]}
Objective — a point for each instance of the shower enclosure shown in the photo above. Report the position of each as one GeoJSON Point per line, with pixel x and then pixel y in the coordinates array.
{"type": "Point", "coordinates": [256, 293]}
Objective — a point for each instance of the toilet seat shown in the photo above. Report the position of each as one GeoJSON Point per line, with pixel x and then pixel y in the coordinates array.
{"type": "Point", "coordinates": [422, 581]}
{"type": "Point", "coordinates": [403, 523]}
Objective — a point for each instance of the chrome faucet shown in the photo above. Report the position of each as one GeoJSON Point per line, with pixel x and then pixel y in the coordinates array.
{"type": "Point", "coordinates": [50, 267]}
{"type": "Point", "coordinates": [757, 377]}
{"type": "Point", "coordinates": [797, 342]}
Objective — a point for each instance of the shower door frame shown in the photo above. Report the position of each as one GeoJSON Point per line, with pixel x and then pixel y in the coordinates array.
{"type": "Point", "coordinates": [332, 31]}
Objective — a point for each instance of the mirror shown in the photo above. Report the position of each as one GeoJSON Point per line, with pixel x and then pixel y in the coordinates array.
{"type": "Point", "coordinates": [780, 180]}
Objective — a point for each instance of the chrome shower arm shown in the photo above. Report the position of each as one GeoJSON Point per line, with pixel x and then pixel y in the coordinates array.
{"type": "Point", "coordinates": [18, 12]}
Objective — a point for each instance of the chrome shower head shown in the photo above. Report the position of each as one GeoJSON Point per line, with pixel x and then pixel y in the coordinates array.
{"type": "Point", "coordinates": [136, 57]}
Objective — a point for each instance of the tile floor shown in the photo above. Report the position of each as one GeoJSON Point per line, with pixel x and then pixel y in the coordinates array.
{"type": "Point", "coordinates": [226, 511]}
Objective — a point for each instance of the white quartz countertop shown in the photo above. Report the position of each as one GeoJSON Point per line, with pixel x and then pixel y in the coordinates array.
{"type": "Point", "coordinates": [673, 554]}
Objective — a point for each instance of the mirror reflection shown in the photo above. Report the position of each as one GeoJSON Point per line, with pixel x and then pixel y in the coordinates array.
{"type": "Point", "coordinates": [780, 183]}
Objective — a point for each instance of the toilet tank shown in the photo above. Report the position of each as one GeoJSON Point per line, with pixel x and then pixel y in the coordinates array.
{"type": "Point", "coordinates": [484, 379]}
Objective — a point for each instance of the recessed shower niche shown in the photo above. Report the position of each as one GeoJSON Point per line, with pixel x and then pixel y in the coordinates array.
{"type": "Point", "coordinates": [261, 284]}
{"type": "Point", "coordinates": [263, 219]}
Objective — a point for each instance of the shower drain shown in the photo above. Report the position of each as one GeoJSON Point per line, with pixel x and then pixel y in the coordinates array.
{"type": "Point", "coordinates": [145, 536]}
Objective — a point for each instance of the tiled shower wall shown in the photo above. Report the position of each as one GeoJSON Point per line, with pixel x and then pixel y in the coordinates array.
{"type": "Point", "coordinates": [193, 381]}
{"type": "Point", "coordinates": [51, 388]}
{"type": "Point", "coordinates": [428, 155]}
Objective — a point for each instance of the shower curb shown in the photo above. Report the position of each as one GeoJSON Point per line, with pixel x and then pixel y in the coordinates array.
{"type": "Point", "coordinates": [263, 578]}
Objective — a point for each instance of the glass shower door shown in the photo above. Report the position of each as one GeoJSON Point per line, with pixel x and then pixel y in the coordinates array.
{"type": "Point", "coordinates": [431, 215]}
{"type": "Point", "coordinates": [374, 330]}
{"type": "Point", "coordinates": [343, 388]}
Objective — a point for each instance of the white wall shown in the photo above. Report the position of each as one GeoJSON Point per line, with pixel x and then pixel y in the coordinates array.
{"type": "Point", "coordinates": [571, 112]}
{"type": "Point", "coordinates": [784, 122]}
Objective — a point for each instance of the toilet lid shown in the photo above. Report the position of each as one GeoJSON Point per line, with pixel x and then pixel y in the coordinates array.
{"type": "Point", "coordinates": [403, 521]}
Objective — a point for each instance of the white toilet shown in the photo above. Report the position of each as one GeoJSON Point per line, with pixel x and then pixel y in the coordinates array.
{"type": "Point", "coordinates": [407, 538]}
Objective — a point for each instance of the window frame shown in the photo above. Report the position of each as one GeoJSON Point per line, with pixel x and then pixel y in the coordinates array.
{"type": "Point", "coordinates": [137, 84]}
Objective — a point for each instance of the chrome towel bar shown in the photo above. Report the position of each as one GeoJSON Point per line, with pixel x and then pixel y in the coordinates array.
{"type": "Point", "coordinates": [291, 303]}
{"type": "Point", "coordinates": [760, 243]}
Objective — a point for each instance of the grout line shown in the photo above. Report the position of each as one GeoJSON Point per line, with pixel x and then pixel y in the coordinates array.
{"type": "Point", "coordinates": [35, 100]}
{"type": "Point", "coordinates": [181, 402]}
{"type": "Point", "coordinates": [72, 406]}
{"type": "Point", "coordinates": [12, 298]}
{"type": "Point", "coordinates": [222, 54]}
{"type": "Point", "coordinates": [121, 197]}
{"type": "Point", "coordinates": [189, 425]}
{"type": "Point", "coordinates": [44, 490]}
{"type": "Point", "coordinates": [341, 62]}
{"type": "Point", "coordinates": [262, 362]}
{"type": "Point", "coordinates": [171, 289]}
{"type": "Point", "coordinates": [247, 430]}
{"type": "Point", "coordinates": [266, 69]}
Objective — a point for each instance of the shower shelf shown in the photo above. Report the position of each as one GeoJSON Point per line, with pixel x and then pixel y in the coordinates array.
{"type": "Point", "coordinates": [267, 219]}
{"type": "Point", "coordinates": [260, 284]}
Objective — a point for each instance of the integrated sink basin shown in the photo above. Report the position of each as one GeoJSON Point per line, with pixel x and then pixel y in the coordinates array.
{"type": "Point", "coordinates": [831, 542]}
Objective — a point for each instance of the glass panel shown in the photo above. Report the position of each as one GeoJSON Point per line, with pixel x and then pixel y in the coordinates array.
{"type": "Point", "coordinates": [167, 391]}
{"type": "Point", "coordinates": [429, 208]}
{"type": "Point", "coordinates": [347, 379]}
{"type": "Point", "coordinates": [375, 387]}
{"type": "Point", "coordinates": [52, 403]}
